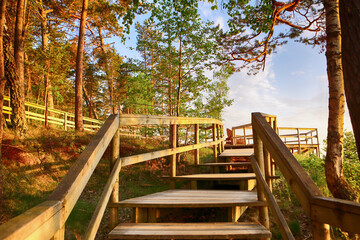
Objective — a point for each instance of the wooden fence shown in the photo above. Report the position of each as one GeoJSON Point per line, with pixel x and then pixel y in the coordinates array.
{"type": "Point", "coordinates": [57, 117]}
{"type": "Point", "coordinates": [47, 220]}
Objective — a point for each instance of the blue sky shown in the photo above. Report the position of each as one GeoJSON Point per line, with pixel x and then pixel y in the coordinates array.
{"type": "Point", "coordinates": [293, 86]}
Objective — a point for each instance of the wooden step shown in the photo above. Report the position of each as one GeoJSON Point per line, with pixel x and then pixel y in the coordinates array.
{"type": "Point", "coordinates": [218, 176]}
{"type": "Point", "coordinates": [189, 231]}
{"type": "Point", "coordinates": [229, 146]}
{"type": "Point", "coordinates": [220, 164]}
{"type": "Point", "coordinates": [194, 199]}
{"type": "Point", "coordinates": [246, 152]}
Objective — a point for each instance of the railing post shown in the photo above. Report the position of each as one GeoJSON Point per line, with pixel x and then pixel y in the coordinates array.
{"type": "Point", "coordinates": [320, 231]}
{"type": "Point", "coordinates": [259, 155]}
{"type": "Point", "coordinates": [233, 137]}
{"type": "Point", "coordinates": [298, 135]}
{"type": "Point", "coordinates": [268, 167]}
{"type": "Point", "coordinates": [173, 140]}
{"type": "Point", "coordinates": [214, 127]}
{"type": "Point", "coordinates": [115, 154]}
{"type": "Point", "coordinates": [196, 141]}
{"type": "Point", "coordinates": [218, 137]}
{"type": "Point", "coordinates": [222, 136]}
{"type": "Point", "coordinates": [65, 121]}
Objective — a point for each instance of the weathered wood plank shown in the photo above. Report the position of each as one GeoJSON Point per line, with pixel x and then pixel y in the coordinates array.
{"type": "Point", "coordinates": [189, 231]}
{"type": "Point", "coordinates": [245, 152]}
{"type": "Point", "coordinates": [225, 164]}
{"type": "Point", "coordinates": [130, 119]}
{"type": "Point", "coordinates": [336, 212]}
{"type": "Point", "coordinates": [218, 176]}
{"type": "Point", "coordinates": [39, 222]}
{"type": "Point", "coordinates": [194, 198]}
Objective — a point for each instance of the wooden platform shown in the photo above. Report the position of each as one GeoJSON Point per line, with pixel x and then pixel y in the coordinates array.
{"type": "Point", "coordinates": [217, 176]}
{"type": "Point", "coordinates": [245, 152]}
{"type": "Point", "coordinates": [189, 231]}
{"type": "Point", "coordinates": [194, 198]}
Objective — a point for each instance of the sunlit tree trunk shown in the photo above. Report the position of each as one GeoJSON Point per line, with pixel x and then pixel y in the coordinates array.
{"type": "Point", "coordinates": [17, 86]}
{"type": "Point", "coordinates": [336, 181]}
{"type": "Point", "coordinates": [79, 126]}
{"type": "Point", "coordinates": [2, 89]}
{"type": "Point", "coordinates": [350, 32]}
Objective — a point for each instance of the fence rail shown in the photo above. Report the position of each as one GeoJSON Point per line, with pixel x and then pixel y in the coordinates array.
{"type": "Point", "coordinates": [57, 117]}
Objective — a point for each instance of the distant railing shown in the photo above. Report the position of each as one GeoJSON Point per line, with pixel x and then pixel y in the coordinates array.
{"type": "Point", "coordinates": [47, 220]}
{"type": "Point", "coordinates": [298, 140]}
{"type": "Point", "coordinates": [268, 147]}
{"type": "Point", "coordinates": [58, 117]}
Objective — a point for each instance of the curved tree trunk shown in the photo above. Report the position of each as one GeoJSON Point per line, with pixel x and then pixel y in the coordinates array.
{"type": "Point", "coordinates": [350, 20]}
{"type": "Point", "coordinates": [79, 126]}
{"type": "Point", "coordinates": [336, 181]}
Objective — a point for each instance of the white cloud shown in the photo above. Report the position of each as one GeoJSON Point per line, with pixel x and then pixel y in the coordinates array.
{"type": "Point", "coordinates": [220, 21]}
{"type": "Point", "coordinates": [297, 73]}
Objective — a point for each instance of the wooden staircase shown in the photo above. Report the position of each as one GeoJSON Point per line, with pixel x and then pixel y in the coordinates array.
{"type": "Point", "coordinates": [47, 220]}
{"type": "Point", "coordinates": [233, 203]}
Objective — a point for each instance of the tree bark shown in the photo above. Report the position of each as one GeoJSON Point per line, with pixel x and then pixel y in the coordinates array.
{"type": "Point", "coordinates": [350, 31]}
{"type": "Point", "coordinates": [2, 89]}
{"type": "Point", "coordinates": [336, 181]}
{"type": "Point", "coordinates": [179, 77]}
{"type": "Point", "coordinates": [79, 126]}
{"type": "Point", "coordinates": [17, 87]}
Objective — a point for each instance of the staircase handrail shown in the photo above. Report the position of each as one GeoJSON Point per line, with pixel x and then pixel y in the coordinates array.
{"type": "Point", "coordinates": [47, 220]}
{"type": "Point", "coordinates": [321, 210]}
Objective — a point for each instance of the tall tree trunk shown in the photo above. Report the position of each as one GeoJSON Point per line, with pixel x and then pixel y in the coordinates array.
{"type": "Point", "coordinates": [350, 32]}
{"type": "Point", "coordinates": [336, 181]}
{"type": "Point", "coordinates": [2, 91]}
{"type": "Point", "coordinates": [108, 73]}
{"type": "Point", "coordinates": [48, 98]}
{"type": "Point", "coordinates": [180, 78]}
{"type": "Point", "coordinates": [79, 126]}
{"type": "Point", "coordinates": [170, 80]}
{"type": "Point", "coordinates": [17, 87]}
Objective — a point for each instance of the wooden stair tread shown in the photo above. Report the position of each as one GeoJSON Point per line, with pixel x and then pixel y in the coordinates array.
{"type": "Point", "coordinates": [189, 231]}
{"type": "Point", "coordinates": [229, 146]}
{"type": "Point", "coordinates": [225, 164]}
{"type": "Point", "coordinates": [245, 152]}
{"type": "Point", "coordinates": [194, 198]}
{"type": "Point", "coordinates": [218, 176]}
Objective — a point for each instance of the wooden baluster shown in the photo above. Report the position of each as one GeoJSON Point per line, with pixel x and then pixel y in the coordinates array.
{"type": "Point", "coordinates": [214, 127]}
{"type": "Point", "coordinates": [233, 137]}
{"type": "Point", "coordinates": [268, 168]}
{"type": "Point", "coordinates": [65, 121]}
{"type": "Point", "coordinates": [115, 154]}
{"type": "Point", "coordinates": [222, 135]}
{"type": "Point", "coordinates": [259, 155]}
{"type": "Point", "coordinates": [196, 141]}
{"type": "Point", "coordinates": [218, 137]}
{"type": "Point", "coordinates": [173, 140]}
{"type": "Point", "coordinates": [298, 135]}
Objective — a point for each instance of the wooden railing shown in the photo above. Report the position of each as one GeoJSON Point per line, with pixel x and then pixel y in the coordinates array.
{"type": "Point", "coordinates": [321, 210]}
{"type": "Point", "coordinates": [47, 220]}
{"type": "Point", "coordinates": [60, 118]}
{"type": "Point", "coordinates": [300, 140]}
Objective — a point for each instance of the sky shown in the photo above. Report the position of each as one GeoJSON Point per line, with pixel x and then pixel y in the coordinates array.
{"type": "Point", "coordinates": [293, 85]}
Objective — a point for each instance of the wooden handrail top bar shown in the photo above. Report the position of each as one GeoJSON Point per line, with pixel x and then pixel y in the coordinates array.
{"type": "Point", "coordinates": [336, 212]}
{"type": "Point", "coordinates": [295, 128]}
{"type": "Point", "coordinates": [132, 119]}
{"type": "Point", "coordinates": [70, 188]}
{"type": "Point", "coordinates": [247, 126]}
{"type": "Point", "coordinates": [297, 136]}
{"type": "Point", "coordinates": [301, 183]}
